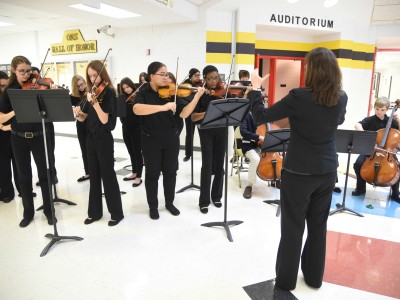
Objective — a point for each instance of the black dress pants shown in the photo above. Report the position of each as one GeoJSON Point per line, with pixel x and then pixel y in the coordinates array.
{"type": "Point", "coordinates": [213, 147]}
{"type": "Point", "coordinates": [304, 199]}
{"type": "Point", "coordinates": [160, 152]}
{"type": "Point", "coordinates": [190, 129]}
{"type": "Point", "coordinates": [100, 151]}
{"type": "Point", "coordinates": [22, 148]}
{"type": "Point", "coordinates": [6, 161]}
{"type": "Point", "coordinates": [133, 141]}
{"type": "Point", "coordinates": [81, 132]}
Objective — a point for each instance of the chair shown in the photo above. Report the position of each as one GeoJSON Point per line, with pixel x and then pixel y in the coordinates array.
{"type": "Point", "coordinates": [238, 154]}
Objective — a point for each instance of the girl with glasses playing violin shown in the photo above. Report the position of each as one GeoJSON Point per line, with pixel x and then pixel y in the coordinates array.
{"type": "Point", "coordinates": [99, 108]}
{"type": "Point", "coordinates": [26, 138]}
{"type": "Point", "coordinates": [79, 90]}
{"type": "Point", "coordinates": [160, 141]}
{"type": "Point", "coordinates": [131, 132]}
{"type": "Point", "coordinates": [213, 142]}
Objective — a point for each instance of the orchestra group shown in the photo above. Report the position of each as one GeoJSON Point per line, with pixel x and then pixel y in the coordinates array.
{"type": "Point", "coordinates": [155, 114]}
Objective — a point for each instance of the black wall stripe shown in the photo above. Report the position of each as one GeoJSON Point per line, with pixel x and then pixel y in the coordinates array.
{"type": "Point", "coordinates": [245, 48]}
{"type": "Point", "coordinates": [354, 55]}
{"type": "Point", "coordinates": [213, 47]}
{"type": "Point", "coordinates": [281, 53]}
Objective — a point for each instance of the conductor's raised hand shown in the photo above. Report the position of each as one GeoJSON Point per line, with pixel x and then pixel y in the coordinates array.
{"type": "Point", "coordinates": [256, 81]}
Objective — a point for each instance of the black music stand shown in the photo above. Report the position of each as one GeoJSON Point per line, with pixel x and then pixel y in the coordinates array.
{"type": "Point", "coordinates": [35, 106]}
{"type": "Point", "coordinates": [225, 113]}
{"type": "Point", "coordinates": [276, 141]}
{"type": "Point", "coordinates": [353, 142]}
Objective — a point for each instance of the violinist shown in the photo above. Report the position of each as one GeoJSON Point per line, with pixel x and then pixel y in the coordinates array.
{"type": "Point", "coordinates": [26, 139]}
{"type": "Point", "coordinates": [374, 123]}
{"type": "Point", "coordinates": [79, 90]}
{"type": "Point", "coordinates": [213, 143]}
{"type": "Point", "coordinates": [131, 133]}
{"type": "Point", "coordinates": [160, 141]}
{"type": "Point", "coordinates": [309, 172]}
{"type": "Point", "coordinates": [99, 108]}
{"type": "Point", "coordinates": [142, 77]}
{"type": "Point", "coordinates": [171, 81]}
{"type": "Point", "coordinates": [195, 80]}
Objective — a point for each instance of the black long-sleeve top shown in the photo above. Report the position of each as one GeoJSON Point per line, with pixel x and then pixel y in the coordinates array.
{"type": "Point", "coordinates": [312, 147]}
{"type": "Point", "coordinates": [248, 131]}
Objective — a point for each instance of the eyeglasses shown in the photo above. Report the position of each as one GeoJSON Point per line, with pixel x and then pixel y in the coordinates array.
{"type": "Point", "coordinates": [162, 74]}
{"type": "Point", "coordinates": [213, 78]}
{"type": "Point", "coordinates": [81, 85]}
{"type": "Point", "coordinates": [23, 72]}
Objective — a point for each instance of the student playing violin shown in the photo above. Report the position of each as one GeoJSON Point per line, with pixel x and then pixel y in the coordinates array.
{"type": "Point", "coordinates": [213, 142]}
{"type": "Point", "coordinates": [26, 139]}
{"type": "Point", "coordinates": [160, 142]}
{"type": "Point", "coordinates": [131, 133]}
{"type": "Point", "coordinates": [99, 108]}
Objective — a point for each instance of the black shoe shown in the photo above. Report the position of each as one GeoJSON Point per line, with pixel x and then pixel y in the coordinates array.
{"type": "Point", "coordinates": [204, 210]}
{"type": "Point", "coordinates": [129, 178]}
{"type": "Point", "coordinates": [247, 160]}
{"type": "Point", "coordinates": [7, 199]}
{"type": "Point", "coordinates": [217, 204]}
{"type": "Point", "coordinates": [358, 192]}
{"type": "Point", "coordinates": [247, 194]}
{"type": "Point", "coordinates": [337, 189]}
{"type": "Point", "coordinates": [37, 183]}
{"type": "Point", "coordinates": [395, 198]}
{"type": "Point", "coordinates": [50, 220]}
{"type": "Point", "coordinates": [91, 220]}
{"type": "Point", "coordinates": [137, 184]}
{"type": "Point", "coordinates": [186, 158]}
{"type": "Point", "coordinates": [114, 222]}
{"type": "Point", "coordinates": [233, 160]}
{"type": "Point", "coordinates": [83, 178]}
{"type": "Point", "coordinates": [24, 222]}
{"type": "Point", "coordinates": [154, 214]}
{"type": "Point", "coordinates": [172, 209]}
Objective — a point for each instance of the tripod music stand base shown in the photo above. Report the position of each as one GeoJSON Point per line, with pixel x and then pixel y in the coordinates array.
{"type": "Point", "coordinates": [190, 186]}
{"type": "Point", "coordinates": [55, 239]}
{"type": "Point", "coordinates": [224, 224]}
{"type": "Point", "coordinates": [343, 208]}
{"type": "Point", "coordinates": [277, 202]}
{"type": "Point", "coordinates": [58, 200]}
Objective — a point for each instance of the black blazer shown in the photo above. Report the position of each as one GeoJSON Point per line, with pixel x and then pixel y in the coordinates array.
{"type": "Point", "coordinates": [312, 147]}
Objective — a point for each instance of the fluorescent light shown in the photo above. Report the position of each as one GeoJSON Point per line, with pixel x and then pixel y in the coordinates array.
{"type": "Point", "coordinates": [5, 24]}
{"type": "Point", "coordinates": [107, 10]}
{"type": "Point", "coordinates": [330, 3]}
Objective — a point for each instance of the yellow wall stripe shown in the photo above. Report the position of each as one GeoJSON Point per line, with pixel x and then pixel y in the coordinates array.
{"type": "Point", "coordinates": [244, 59]}
{"type": "Point", "coordinates": [218, 58]}
{"type": "Point", "coordinates": [219, 36]}
{"type": "Point", "coordinates": [245, 37]}
{"type": "Point", "coordinates": [355, 64]}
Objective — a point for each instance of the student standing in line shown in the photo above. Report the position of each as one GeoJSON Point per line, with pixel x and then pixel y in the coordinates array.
{"type": "Point", "coordinates": [309, 172]}
{"type": "Point", "coordinates": [160, 140]}
{"type": "Point", "coordinates": [100, 111]}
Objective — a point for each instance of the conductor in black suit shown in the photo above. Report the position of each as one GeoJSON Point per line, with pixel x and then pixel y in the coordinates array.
{"type": "Point", "coordinates": [309, 171]}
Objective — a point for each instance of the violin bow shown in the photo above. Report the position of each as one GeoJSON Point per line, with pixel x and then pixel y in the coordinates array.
{"type": "Point", "coordinates": [176, 76]}
{"type": "Point", "coordinates": [41, 67]}
{"type": "Point", "coordinates": [229, 78]}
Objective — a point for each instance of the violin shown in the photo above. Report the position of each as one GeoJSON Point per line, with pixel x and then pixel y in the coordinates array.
{"type": "Point", "coordinates": [97, 90]}
{"type": "Point", "coordinates": [381, 168]}
{"type": "Point", "coordinates": [37, 83]}
{"type": "Point", "coordinates": [237, 89]}
{"type": "Point", "coordinates": [167, 91]}
{"type": "Point", "coordinates": [186, 89]}
{"type": "Point", "coordinates": [219, 91]}
{"type": "Point", "coordinates": [131, 97]}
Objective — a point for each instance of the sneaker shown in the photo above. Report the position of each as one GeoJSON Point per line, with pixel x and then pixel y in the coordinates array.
{"type": "Point", "coordinates": [247, 192]}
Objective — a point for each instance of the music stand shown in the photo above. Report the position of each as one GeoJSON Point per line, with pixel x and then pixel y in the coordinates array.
{"type": "Point", "coordinates": [276, 141]}
{"type": "Point", "coordinates": [353, 142]}
{"type": "Point", "coordinates": [225, 113]}
{"type": "Point", "coordinates": [35, 106]}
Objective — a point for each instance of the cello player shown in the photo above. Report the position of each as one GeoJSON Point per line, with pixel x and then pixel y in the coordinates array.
{"type": "Point", "coordinates": [374, 123]}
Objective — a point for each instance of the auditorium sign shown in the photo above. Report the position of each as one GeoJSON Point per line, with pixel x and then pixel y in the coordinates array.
{"type": "Point", "coordinates": [298, 21]}
{"type": "Point", "coordinates": [74, 43]}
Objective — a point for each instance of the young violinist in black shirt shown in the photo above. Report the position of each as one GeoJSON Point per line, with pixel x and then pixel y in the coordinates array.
{"type": "Point", "coordinates": [160, 142]}
{"type": "Point", "coordinates": [131, 133]}
{"type": "Point", "coordinates": [26, 138]}
{"type": "Point", "coordinates": [79, 90]}
{"type": "Point", "coordinates": [100, 111]}
{"type": "Point", "coordinates": [213, 143]}
{"type": "Point", "coordinates": [194, 80]}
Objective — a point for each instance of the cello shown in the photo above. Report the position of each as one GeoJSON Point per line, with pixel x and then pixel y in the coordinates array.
{"type": "Point", "coordinates": [381, 168]}
{"type": "Point", "coordinates": [270, 165]}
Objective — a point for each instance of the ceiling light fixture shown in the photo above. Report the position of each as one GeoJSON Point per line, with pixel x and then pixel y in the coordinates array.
{"type": "Point", "coordinates": [330, 3]}
{"type": "Point", "coordinates": [106, 10]}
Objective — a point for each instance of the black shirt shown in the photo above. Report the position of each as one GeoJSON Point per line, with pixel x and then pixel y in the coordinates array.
{"type": "Point", "coordinates": [160, 121]}
{"type": "Point", "coordinates": [108, 103]}
{"type": "Point", "coordinates": [203, 103]}
{"type": "Point", "coordinates": [373, 123]}
{"type": "Point", "coordinates": [6, 107]}
{"type": "Point", "coordinates": [130, 119]}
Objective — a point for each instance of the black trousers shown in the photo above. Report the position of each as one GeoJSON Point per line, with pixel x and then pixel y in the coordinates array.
{"type": "Point", "coordinates": [81, 132]}
{"type": "Point", "coordinates": [160, 152]}
{"type": "Point", "coordinates": [213, 147]}
{"type": "Point", "coordinates": [361, 184]}
{"type": "Point", "coordinates": [133, 141]}
{"type": "Point", "coordinates": [6, 161]}
{"type": "Point", "coordinates": [51, 147]}
{"type": "Point", "coordinates": [100, 151]}
{"type": "Point", "coordinates": [22, 149]}
{"type": "Point", "coordinates": [304, 199]}
{"type": "Point", "coordinates": [190, 129]}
